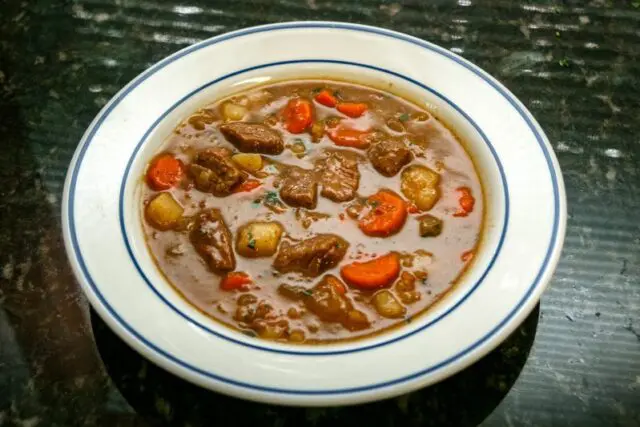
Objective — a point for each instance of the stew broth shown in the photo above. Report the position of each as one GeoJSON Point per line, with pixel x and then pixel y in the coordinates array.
{"type": "Point", "coordinates": [313, 137]}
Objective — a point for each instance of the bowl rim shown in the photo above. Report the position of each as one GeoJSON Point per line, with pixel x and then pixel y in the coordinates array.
{"type": "Point", "coordinates": [477, 350]}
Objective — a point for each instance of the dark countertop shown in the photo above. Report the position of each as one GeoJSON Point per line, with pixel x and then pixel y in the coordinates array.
{"type": "Point", "coordinates": [575, 64]}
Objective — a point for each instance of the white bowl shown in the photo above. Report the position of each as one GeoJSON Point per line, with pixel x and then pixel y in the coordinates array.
{"type": "Point", "coordinates": [524, 231]}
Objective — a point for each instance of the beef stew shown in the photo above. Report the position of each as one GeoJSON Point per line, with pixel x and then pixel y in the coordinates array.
{"type": "Point", "coordinates": [312, 211]}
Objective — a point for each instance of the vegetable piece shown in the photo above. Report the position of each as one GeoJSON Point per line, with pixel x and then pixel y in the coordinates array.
{"type": "Point", "coordinates": [387, 305]}
{"type": "Point", "coordinates": [466, 201]}
{"type": "Point", "coordinates": [250, 162]}
{"type": "Point", "coordinates": [467, 255]}
{"type": "Point", "coordinates": [233, 112]}
{"type": "Point", "coordinates": [421, 186]}
{"type": "Point", "coordinates": [412, 208]}
{"type": "Point", "coordinates": [326, 98]}
{"type": "Point", "coordinates": [352, 109]}
{"type": "Point", "coordinates": [298, 115]}
{"type": "Point", "coordinates": [298, 148]}
{"type": "Point", "coordinates": [258, 239]}
{"type": "Point", "coordinates": [248, 185]}
{"type": "Point", "coordinates": [163, 211]}
{"type": "Point", "coordinates": [376, 273]}
{"type": "Point", "coordinates": [164, 172]}
{"type": "Point", "coordinates": [235, 280]}
{"type": "Point", "coordinates": [346, 137]}
{"type": "Point", "coordinates": [430, 226]}
{"type": "Point", "coordinates": [297, 335]}
{"type": "Point", "coordinates": [317, 131]}
{"type": "Point", "coordinates": [387, 214]}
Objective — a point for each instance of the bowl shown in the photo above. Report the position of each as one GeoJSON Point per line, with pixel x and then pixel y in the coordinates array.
{"type": "Point", "coordinates": [522, 238]}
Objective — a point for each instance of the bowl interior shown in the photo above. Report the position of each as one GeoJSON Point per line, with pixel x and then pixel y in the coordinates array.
{"type": "Point", "coordinates": [469, 133]}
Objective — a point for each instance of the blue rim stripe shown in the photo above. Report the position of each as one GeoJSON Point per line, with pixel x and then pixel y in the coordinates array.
{"type": "Point", "coordinates": [385, 33]}
{"type": "Point", "coordinates": [125, 235]}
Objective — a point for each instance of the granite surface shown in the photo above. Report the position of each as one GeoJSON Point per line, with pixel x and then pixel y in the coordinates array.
{"type": "Point", "coordinates": [575, 64]}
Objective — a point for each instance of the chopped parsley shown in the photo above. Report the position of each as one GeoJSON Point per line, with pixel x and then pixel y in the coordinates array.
{"type": "Point", "coordinates": [563, 62]}
{"type": "Point", "coordinates": [316, 90]}
{"type": "Point", "coordinates": [407, 319]}
{"type": "Point", "coordinates": [374, 203]}
{"type": "Point", "coordinates": [308, 292]}
{"type": "Point", "coordinates": [252, 241]}
{"type": "Point", "coordinates": [338, 94]}
{"type": "Point", "coordinates": [403, 117]}
{"type": "Point", "coordinates": [271, 197]}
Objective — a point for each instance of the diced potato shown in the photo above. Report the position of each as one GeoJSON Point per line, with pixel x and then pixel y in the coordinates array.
{"type": "Point", "coordinates": [259, 97]}
{"type": "Point", "coordinates": [430, 226]}
{"type": "Point", "coordinates": [250, 162]}
{"type": "Point", "coordinates": [233, 112]}
{"type": "Point", "coordinates": [387, 305]}
{"type": "Point", "coordinates": [258, 239]}
{"type": "Point", "coordinates": [297, 335]}
{"type": "Point", "coordinates": [421, 186]}
{"type": "Point", "coordinates": [163, 212]}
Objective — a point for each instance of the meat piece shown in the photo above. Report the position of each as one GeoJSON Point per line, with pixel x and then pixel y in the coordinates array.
{"type": "Point", "coordinates": [313, 256]}
{"type": "Point", "coordinates": [339, 175]}
{"type": "Point", "coordinates": [253, 137]}
{"type": "Point", "coordinates": [212, 239]}
{"type": "Point", "coordinates": [214, 172]}
{"type": "Point", "coordinates": [299, 187]}
{"type": "Point", "coordinates": [389, 156]}
{"type": "Point", "coordinates": [328, 301]}
{"type": "Point", "coordinates": [260, 317]}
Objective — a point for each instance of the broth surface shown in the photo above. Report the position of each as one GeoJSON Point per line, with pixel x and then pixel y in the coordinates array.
{"type": "Point", "coordinates": [263, 307]}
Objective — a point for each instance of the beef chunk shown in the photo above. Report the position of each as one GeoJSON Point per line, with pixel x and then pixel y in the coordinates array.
{"type": "Point", "coordinates": [212, 239]}
{"type": "Point", "coordinates": [339, 175]}
{"type": "Point", "coordinates": [253, 137]}
{"type": "Point", "coordinates": [327, 300]}
{"type": "Point", "coordinates": [299, 187]}
{"type": "Point", "coordinates": [214, 172]}
{"type": "Point", "coordinates": [313, 256]}
{"type": "Point", "coordinates": [389, 156]}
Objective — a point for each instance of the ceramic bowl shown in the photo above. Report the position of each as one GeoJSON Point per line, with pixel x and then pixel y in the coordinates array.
{"type": "Point", "coordinates": [523, 235]}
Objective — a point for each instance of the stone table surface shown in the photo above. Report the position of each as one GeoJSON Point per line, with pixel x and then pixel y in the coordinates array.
{"type": "Point", "coordinates": [574, 64]}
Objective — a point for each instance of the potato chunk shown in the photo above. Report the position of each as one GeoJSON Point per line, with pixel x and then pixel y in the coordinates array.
{"type": "Point", "coordinates": [421, 186]}
{"type": "Point", "coordinates": [233, 112]}
{"type": "Point", "coordinates": [251, 162]}
{"type": "Point", "coordinates": [163, 211]}
{"type": "Point", "coordinates": [387, 305]}
{"type": "Point", "coordinates": [258, 239]}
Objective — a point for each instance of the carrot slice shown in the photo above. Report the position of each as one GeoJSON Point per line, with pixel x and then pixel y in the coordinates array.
{"type": "Point", "coordinates": [372, 274]}
{"type": "Point", "coordinates": [164, 172]}
{"type": "Point", "coordinates": [387, 214]}
{"type": "Point", "coordinates": [466, 202]}
{"type": "Point", "coordinates": [352, 109]}
{"type": "Point", "coordinates": [412, 208]}
{"type": "Point", "coordinates": [248, 185]}
{"type": "Point", "coordinates": [298, 115]}
{"type": "Point", "coordinates": [346, 137]}
{"type": "Point", "coordinates": [326, 98]}
{"type": "Point", "coordinates": [235, 280]}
